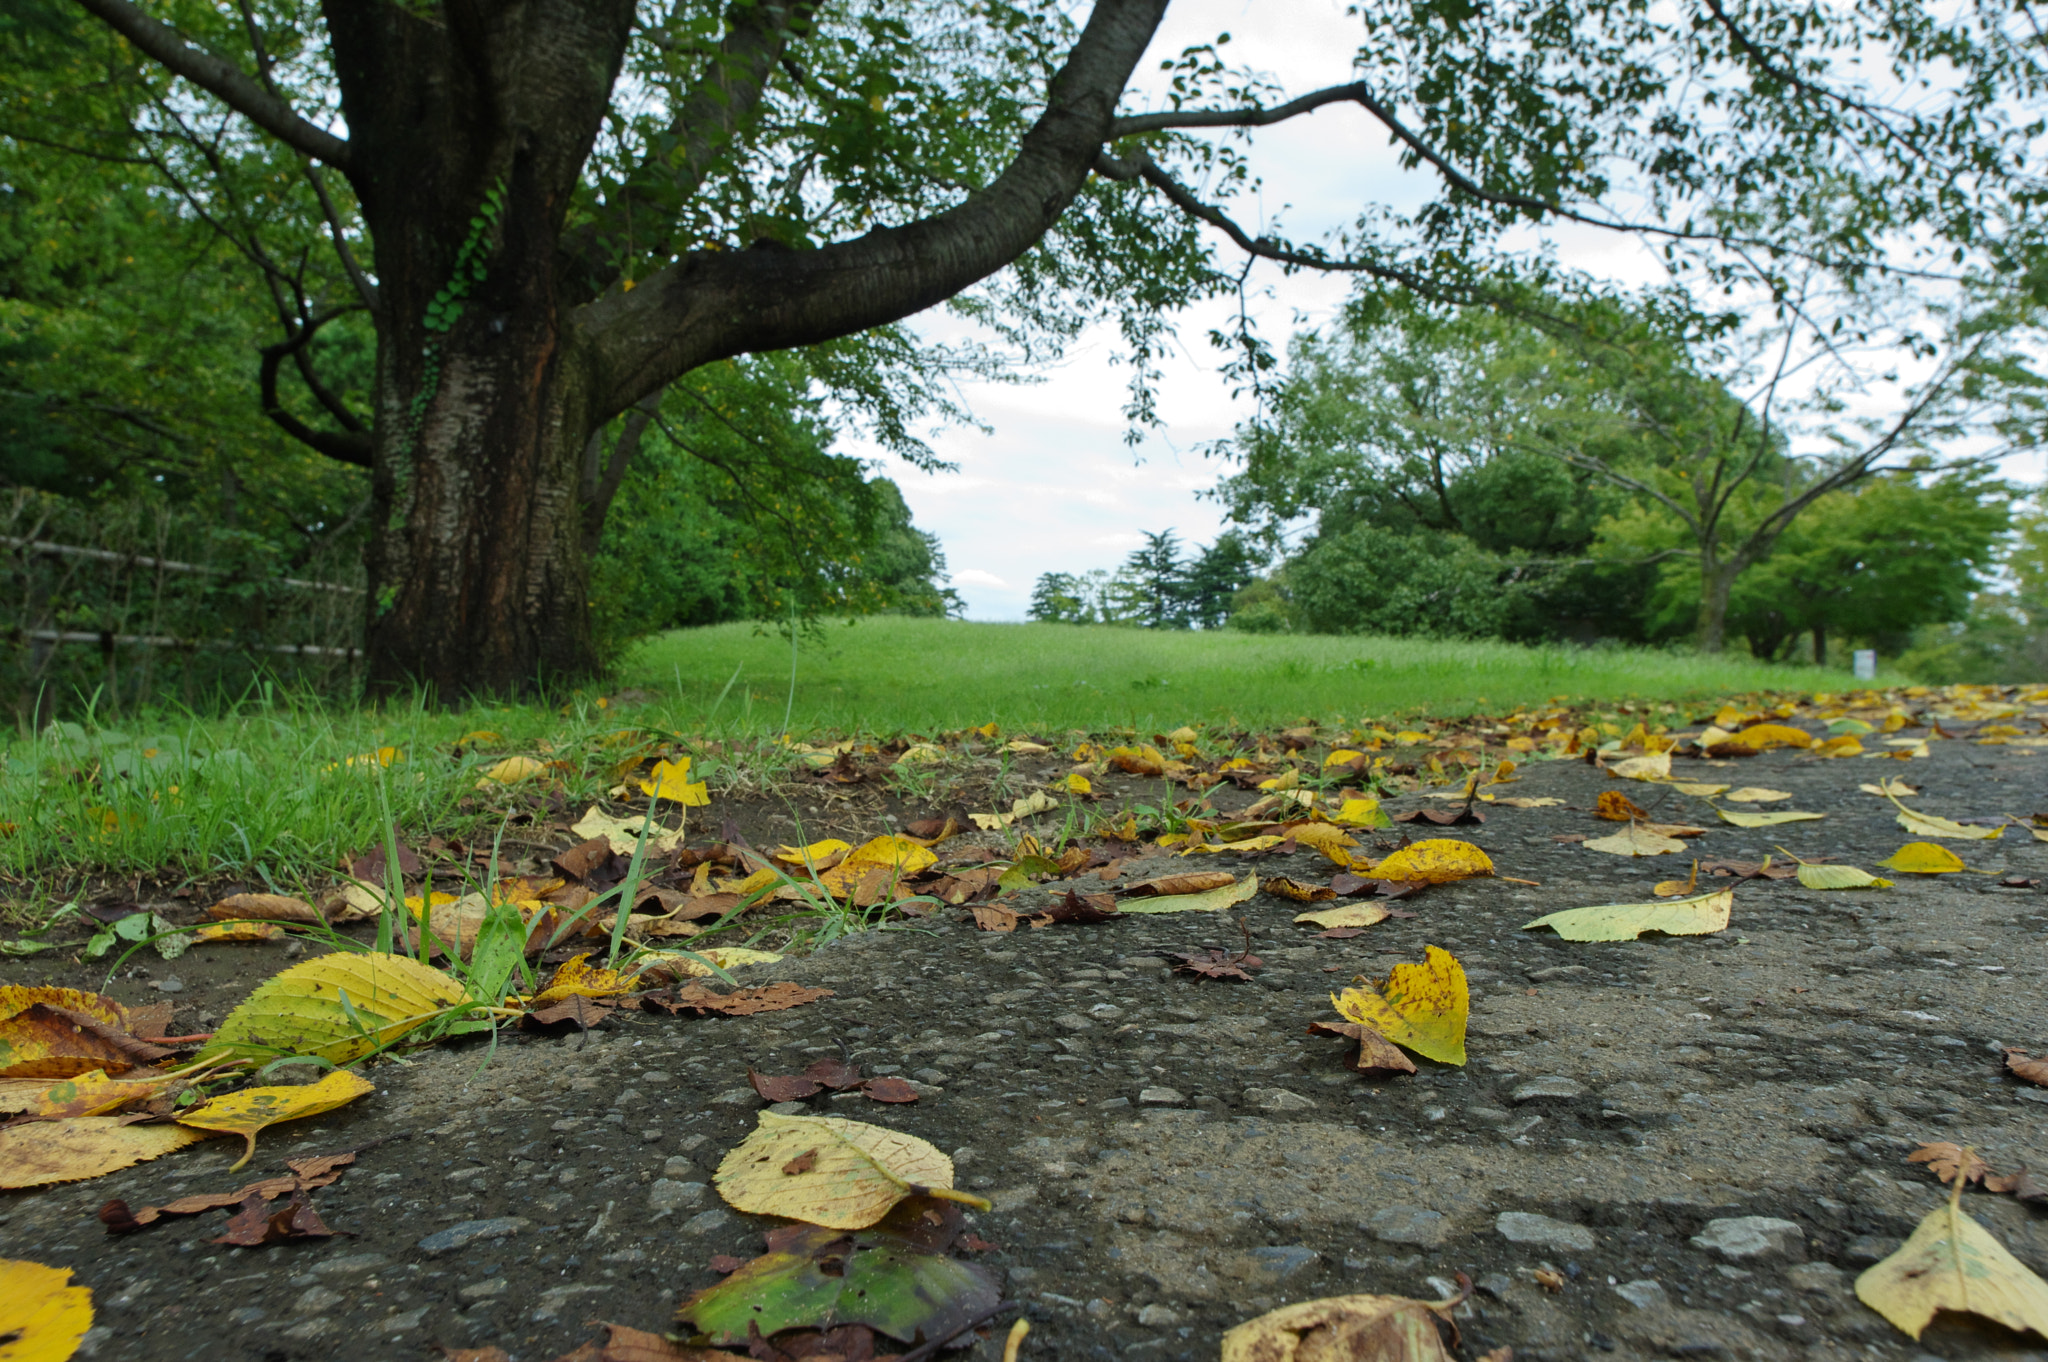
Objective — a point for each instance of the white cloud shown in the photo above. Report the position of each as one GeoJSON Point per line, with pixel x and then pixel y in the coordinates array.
{"type": "Point", "coordinates": [976, 577]}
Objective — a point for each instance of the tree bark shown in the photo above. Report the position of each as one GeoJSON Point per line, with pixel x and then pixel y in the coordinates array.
{"type": "Point", "coordinates": [1717, 581]}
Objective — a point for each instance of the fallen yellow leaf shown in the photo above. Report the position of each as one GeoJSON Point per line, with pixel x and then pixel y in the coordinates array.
{"type": "Point", "coordinates": [904, 855]}
{"type": "Point", "coordinates": [1764, 737]}
{"type": "Point", "coordinates": [511, 771]}
{"type": "Point", "coordinates": [1700, 915]}
{"type": "Point", "coordinates": [1924, 858]}
{"type": "Point", "coordinates": [1077, 784]}
{"type": "Point", "coordinates": [1207, 901]}
{"type": "Point", "coordinates": [822, 855]}
{"type": "Point", "coordinates": [1751, 794]}
{"type": "Point", "coordinates": [1364, 813]}
{"type": "Point", "coordinates": [670, 782]}
{"type": "Point", "coordinates": [1654, 767]}
{"type": "Point", "coordinates": [1698, 788]}
{"type": "Point", "coordinates": [1953, 1263]}
{"type": "Point", "coordinates": [624, 833]}
{"type": "Point", "coordinates": [93, 1094]}
{"type": "Point", "coordinates": [238, 931]}
{"type": "Point", "coordinates": [1523, 801]}
{"type": "Point", "coordinates": [676, 965]}
{"type": "Point", "coordinates": [37, 1153]}
{"type": "Point", "coordinates": [1839, 877]}
{"type": "Point", "coordinates": [1928, 825]}
{"type": "Point", "coordinates": [1245, 844]}
{"type": "Point", "coordinates": [1841, 745]}
{"type": "Point", "coordinates": [1333, 842]}
{"type": "Point", "coordinates": [844, 1175]}
{"type": "Point", "coordinates": [252, 1110]}
{"type": "Point", "coordinates": [580, 978]}
{"type": "Point", "coordinates": [1634, 840]}
{"type": "Point", "coordinates": [1422, 1008]}
{"type": "Point", "coordinates": [1344, 1328]}
{"type": "Point", "coordinates": [43, 1317]}
{"type": "Point", "coordinates": [1887, 787]}
{"type": "Point", "coordinates": [1743, 819]}
{"type": "Point", "coordinates": [1671, 889]}
{"type": "Point", "coordinates": [1347, 915]}
{"type": "Point", "coordinates": [1438, 860]}
{"type": "Point", "coordinates": [301, 1011]}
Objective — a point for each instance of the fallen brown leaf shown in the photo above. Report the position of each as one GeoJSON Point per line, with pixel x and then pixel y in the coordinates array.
{"type": "Point", "coordinates": [1442, 817]}
{"type": "Point", "coordinates": [1080, 909]}
{"type": "Point", "coordinates": [784, 1088]}
{"type": "Point", "coordinates": [1945, 1158]}
{"type": "Point", "coordinates": [307, 1174]}
{"type": "Point", "coordinates": [1212, 963]}
{"type": "Point", "coordinates": [256, 1225]}
{"type": "Point", "coordinates": [583, 1012]}
{"type": "Point", "coordinates": [745, 1002]}
{"type": "Point", "coordinates": [2024, 1065]}
{"type": "Point", "coordinates": [802, 1163]}
{"type": "Point", "coordinates": [2020, 1186]}
{"type": "Point", "coordinates": [990, 918]}
{"type": "Point", "coordinates": [889, 1089]}
{"type": "Point", "coordinates": [1618, 807]}
{"type": "Point", "coordinates": [1298, 890]}
{"type": "Point", "coordinates": [1194, 882]}
{"type": "Point", "coordinates": [276, 907]}
{"type": "Point", "coordinates": [1376, 1056]}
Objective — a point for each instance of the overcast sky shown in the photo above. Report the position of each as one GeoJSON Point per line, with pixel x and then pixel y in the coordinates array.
{"type": "Point", "coordinates": [1054, 487]}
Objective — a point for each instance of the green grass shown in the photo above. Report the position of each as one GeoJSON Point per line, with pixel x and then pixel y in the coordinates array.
{"type": "Point", "coordinates": [889, 674]}
{"type": "Point", "coordinates": [269, 793]}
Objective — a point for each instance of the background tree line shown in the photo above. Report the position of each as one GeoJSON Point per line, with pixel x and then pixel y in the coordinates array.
{"type": "Point", "coordinates": [1592, 468]}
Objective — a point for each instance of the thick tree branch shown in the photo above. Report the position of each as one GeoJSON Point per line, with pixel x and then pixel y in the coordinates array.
{"type": "Point", "coordinates": [349, 447]}
{"type": "Point", "coordinates": [714, 305]}
{"type": "Point", "coordinates": [641, 215]}
{"type": "Point", "coordinates": [220, 78]}
{"type": "Point", "coordinates": [601, 478]}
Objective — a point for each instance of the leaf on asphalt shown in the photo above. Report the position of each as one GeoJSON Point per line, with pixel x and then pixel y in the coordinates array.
{"type": "Point", "coordinates": [252, 1110]}
{"type": "Point", "coordinates": [1743, 819]}
{"type": "Point", "coordinates": [1953, 1263]}
{"type": "Point", "coordinates": [1443, 818]}
{"type": "Point", "coordinates": [888, 1088]}
{"type": "Point", "coordinates": [1671, 889]}
{"type": "Point", "coordinates": [1363, 813]}
{"type": "Point", "coordinates": [903, 855]}
{"type": "Point", "coordinates": [274, 907]}
{"type": "Point", "coordinates": [1654, 767]}
{"type": "Point", "coordinates": [61, 1032]}
{"type": "Point", "coordinates": [1924, 858]}
{"type": "Point", "coordinates": [1945, 1159]}
{"type": "Point", "coordinates": [860, 1171]}
{"type": "Point", "coordinates": [1369, 1328]}
{"type": "Point", "coordinates": [743, 1002]}
{"type": "Point", "coordinates": [623, 834]}
{"type": "Point", "coordinates": [1698, 788]}
{"type": "Point", "coordinates": [1335, 844]}
{"type": "Point", "coordinates": [894, 1279]}
{"type": "Point", "coordinates": [36, 1153]}
{"type": "Point", "coordinates": [1764, 737]}
{"type": "Point", "coordinates": [320, 1170]}
{"type": "Point", "coordinates": [1635, 840]}
{"type": "Point", "coordinates": [94, 1094]}
{"type": "Point", "coordinates": [1526, 802]}
{"type": "Point", "coordinates": [1839, 877]}
{"type": "Point", "coordinates": [990, 918]}
{"type": "Point", "coordinates": [1841, 745]}
{"type": "Point", "coordinates": [1929, 825]}
{"type": "Point", "coordinates": [256, 1225]}
{"type": "Point", "coordinates": [1298, 890]}
{"type": "Point", "coordinates": [581, 1012]}
{"type": "Point", "coordinates": [231, 932]}
{"type": "Point", "coordinates": [1439, 860]}
{"type": "Point", "coordinates": [1346, 915]}
{"type": "Point", "coordinates": [43, 1316]}
{"type": "Point", "coordinates": [1212, 963]}
{"type": "Point", "coordinates": [676, 965]}
{"type": "Point", "coordinates": [338, 1007]}
{"type": "Point", "coordinates": [1193, 882]}
{"type": "Point", "coordinates": [2025, 1065]}
{"type": "Point", "coordinates": [579, 978]}
{"type": "Point", "coordinates": [1618, 807]}
{"type": "Point", "coordinates": [1375, 1057]}
{"type": "Point", "coordinates": [1888, 788]}
{"type": "Point", "coordinates": [1752, 794]}
{"type": "Point", "coordinates": [1422, 1007]}
{"type": "Point", "coordinates": [1700, 915]}
{"type": "Point", "coordinates": [1213, 900]}
{"type": "Point", "coordinates": [1078, 909]}
{"type": "Point", "coordinates": [670, 783]}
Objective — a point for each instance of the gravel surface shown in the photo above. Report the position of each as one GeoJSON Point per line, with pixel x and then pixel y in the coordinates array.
{"type": "Point", "coordinates": [1701, 1138]}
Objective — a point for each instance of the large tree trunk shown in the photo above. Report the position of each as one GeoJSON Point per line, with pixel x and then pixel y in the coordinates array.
{"type": "Point", "coordinates": [1717, 581]}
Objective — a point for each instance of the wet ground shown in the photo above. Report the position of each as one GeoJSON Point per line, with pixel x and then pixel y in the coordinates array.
{"type": "Point", "coordinates": [1168, 1157]}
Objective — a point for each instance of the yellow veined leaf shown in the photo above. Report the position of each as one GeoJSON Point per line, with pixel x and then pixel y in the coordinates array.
{"type": "Point", "coordinates": [1953, 1263]}
{"type": "Point", "coordinates": [1671, 889]}
{"type": "Point", "coordinates": [904, 855]}
{"type": "Point", "coordinates": [1928, 825]}
{"type": "Point", "coordinates": [1208, 901]}
{"type": "Point", "coordinates": [1301, 891]}
{"type": "Point", "coordinates": [1654, 767]}
{"type": "Point", "coordinates": [1286, 780]}
{"type": "Point", "coordinates": [624, 833]}
{"type": "Point", "coordinates": [94, 1094]}
{"type": "Point", "coordinates": [1408, 736]}
{"type": "Point", "coordinates": [1263, 843]}
{"type": "Point", "coordinates": [238, 931]}
{"type": "Point", "coordinates": [921, 754]}
{"type": "Point", "coordinates": [1697, 787]}
{"type": "Point", "coordinates": [1764, 737]}
{"type": "Point", "coordinates": [1077, 784]}
{"type": "Point", "coordinates": [1924, 858]}
{"type": "Point", "coordinates": [1888, 787]}
{"type": "Point", "coordinates": [1841, 745]}
{"type": "Point", "coordinates": [1523, 801]}
{"type": "Point", "coordinates": [578, 977]}
{"type": "Point", "coordinates": [676, 965]}
{"type": "Point", "coordinates": [1634, 840]}
{"type": "Point", "coordinates": [1341, 1328]}
{"type": "Point", "coordinates": [1422, 1008]}
{"type": "Point", "coordinates": [37, 1153]}
{"type": "Point", "coordinates": [1342, 756]}
{"type": "Point", "coordinates": [1700, 915]}
{"type": "Point", "coordinates": [670, 783]}
{"type": "Point", "coordinates": [1752, 794]}
{"type": "Point", "coordinates": [1438, 860]}
{"type": "Point", "coordinates": [1839, 877]}
{"type": "Point", "coordinates": [1023, 747]}
{"type": "Point", "coordinates": [1742, 819]}
{"type": "Point", "coordinates": [821, 855]}
{"type": "Point", "coordinates": [511, 771]}
{"type": "Point", "coordinates": [1333, 842]}
{"type": "Point", "coordinates": [1346, 915]}
{"type": "Point", "coordinates": [43, 1317]}
{"type": "Point", "coordinates": [252, 1110]}
{"type": "Point", "coordinates": [339, 1007]}
{"type": "Point", "coordinates": [844, 1175]}
{"type": "Point", "coordinates": [1362, 813]}
{"type": "Point", "coordinates": [1617, 807]}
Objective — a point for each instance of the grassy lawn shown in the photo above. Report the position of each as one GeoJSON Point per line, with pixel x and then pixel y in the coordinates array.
{"type": "Point", "coordinates": [885, 675]}
{"type": "Point", "coordinates": [281, 791]}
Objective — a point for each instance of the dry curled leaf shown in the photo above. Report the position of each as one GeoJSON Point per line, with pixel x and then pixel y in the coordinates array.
{"type": "Point", "coordinates": [1944, 1159]}
{"type": "Point", "coordinates": [2024, 1065]}
{"type": "Point", "coordinates": [1953, 1263]}
{"type": "Point", "coordinates": [743, 1002]}
{"type": "Point", "coordinates": [1375, 1057]}
{"type": "Point", "coordinates": [1619, 808]}
{"type": "Point", "coordinates": [1340, 1328]}
{"type": "Point", "coordinates": [1422, 1007]}
{"type": "Point", "coordinates": [859, 1171]}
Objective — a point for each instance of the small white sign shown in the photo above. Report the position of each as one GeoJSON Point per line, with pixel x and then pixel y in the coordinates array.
{"type": "Point", "coordinates": [1866, 664]}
